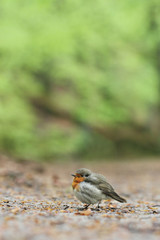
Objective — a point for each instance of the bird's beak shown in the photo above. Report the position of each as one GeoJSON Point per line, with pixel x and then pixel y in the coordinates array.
{"type": "Point", "coordinates": [73, 175]}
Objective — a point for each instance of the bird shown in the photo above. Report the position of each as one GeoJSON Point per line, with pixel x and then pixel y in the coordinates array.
{"type": "Point", "coordinates": [91, 188]}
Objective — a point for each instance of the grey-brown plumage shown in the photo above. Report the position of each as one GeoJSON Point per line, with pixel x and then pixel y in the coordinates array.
{"type": "Point", "coordinates": [100, 182]}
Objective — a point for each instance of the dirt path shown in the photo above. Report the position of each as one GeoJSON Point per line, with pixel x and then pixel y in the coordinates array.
{"type": "Point", "coordinates": [36, 202]}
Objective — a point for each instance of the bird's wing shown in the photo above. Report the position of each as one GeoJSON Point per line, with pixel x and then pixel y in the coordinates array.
{"type": "Point", "coordinates": [100, 181]}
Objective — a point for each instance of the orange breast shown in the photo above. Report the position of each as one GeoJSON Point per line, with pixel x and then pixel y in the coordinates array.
{"type": "Point", "coordinates": [76, 181]}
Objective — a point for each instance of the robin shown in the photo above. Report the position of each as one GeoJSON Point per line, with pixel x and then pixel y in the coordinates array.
{"type": "Point", "coordinates": [91, 188]}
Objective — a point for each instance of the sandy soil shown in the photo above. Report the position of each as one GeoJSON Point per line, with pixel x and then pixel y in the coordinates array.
{"type": "Point", "coordinates": [37, 203]}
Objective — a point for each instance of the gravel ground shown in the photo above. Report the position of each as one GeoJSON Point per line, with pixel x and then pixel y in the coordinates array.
{"type": "Point", "coordinates": [37, 203]}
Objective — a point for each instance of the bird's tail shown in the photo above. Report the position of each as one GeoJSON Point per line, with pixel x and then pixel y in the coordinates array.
{"type": "Point", "coordinates": [115, 196]}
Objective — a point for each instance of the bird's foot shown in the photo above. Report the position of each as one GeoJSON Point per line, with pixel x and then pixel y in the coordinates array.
{"type": "Point", "coordinates": [95, 209]}
{"type": "Point", "coordinates": [84, 208]}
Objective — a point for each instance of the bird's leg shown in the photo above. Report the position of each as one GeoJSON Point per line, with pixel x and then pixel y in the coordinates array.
{"type": "Point", "coordinates": [86, 206]}
{"type": "Point", "coordinates": [98, 206]}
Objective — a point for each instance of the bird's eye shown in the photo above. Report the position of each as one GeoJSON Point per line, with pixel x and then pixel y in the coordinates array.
{"type": "Point", "coordinates": [86, 175]}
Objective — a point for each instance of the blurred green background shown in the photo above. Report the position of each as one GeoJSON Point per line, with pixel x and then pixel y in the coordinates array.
{"type": "Point", "coordinates": [79, 79]}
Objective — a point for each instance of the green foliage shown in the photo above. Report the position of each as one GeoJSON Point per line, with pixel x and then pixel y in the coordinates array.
{"type": "Point", "coordinates": [86, 63]}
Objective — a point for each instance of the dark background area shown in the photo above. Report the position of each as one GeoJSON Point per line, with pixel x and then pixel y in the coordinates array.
{"type": "Point", "coordinates": [79, 79]}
